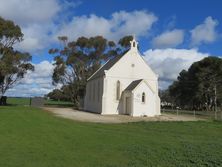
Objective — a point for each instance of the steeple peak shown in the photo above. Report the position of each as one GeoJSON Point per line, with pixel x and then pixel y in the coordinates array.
{"type": "Point", "coordinates": [134, 43]}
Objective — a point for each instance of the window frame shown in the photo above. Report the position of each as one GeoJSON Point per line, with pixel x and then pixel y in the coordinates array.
{"type": "Point", "coordinates": [118, 90]}
{"type": "Point", "coordinates": [143, 100]}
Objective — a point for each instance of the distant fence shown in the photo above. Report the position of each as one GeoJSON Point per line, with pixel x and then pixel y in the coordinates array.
{"type": "Point", "coordinates": [204, 114]}
{"type": "Point", "coordinates": [37, 102]}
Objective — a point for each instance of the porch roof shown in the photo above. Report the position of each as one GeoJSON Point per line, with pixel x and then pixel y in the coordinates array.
{"type": "Point", "coordinates": [133, 85]}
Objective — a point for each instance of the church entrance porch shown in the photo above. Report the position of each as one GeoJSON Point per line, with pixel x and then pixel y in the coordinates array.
{"type": "Point", "coordinates": [128, 106]}
{"type": "Point", "coordinates": [127, 103]}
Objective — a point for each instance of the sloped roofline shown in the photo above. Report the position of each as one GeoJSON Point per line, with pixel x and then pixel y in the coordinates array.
{"type": "Point", "coordinates": [142, 80]}
{"type": "Point", "coordinates": [97, 70]}
{"type": "Point", "coordinates": [112, 63]}
{"type": "Point", "coordinates": [141, 55]}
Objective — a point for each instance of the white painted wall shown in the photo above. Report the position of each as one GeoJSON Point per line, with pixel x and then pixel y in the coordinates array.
{"type": "Point", "coordinates": [143, 109]}
{"type": "Point", "coordinates": [123, 69]}
{"type": "Point", "coordinates": [111, 105]}
{"type": "Point", "coordinates": [93, 97]}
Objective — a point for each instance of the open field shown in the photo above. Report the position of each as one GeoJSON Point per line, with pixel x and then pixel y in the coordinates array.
{"type": "Point", "coordinates": [18, 101]}
{"type": "Point", "coordinates": [26, 101]}
{"type": "Point", "coordinates": [31, 137]}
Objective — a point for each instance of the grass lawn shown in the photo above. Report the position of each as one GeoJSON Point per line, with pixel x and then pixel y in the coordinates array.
{"type": "Point", "coordinates": [26, 101]}
{"type": "Point", "coordinates": [18, 101]}
{"type": "Point", "coordinates": [30, 137]}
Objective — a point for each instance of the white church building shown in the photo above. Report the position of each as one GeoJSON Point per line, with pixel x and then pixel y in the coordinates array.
{"type": "Point", "coordinates": [124, 85]}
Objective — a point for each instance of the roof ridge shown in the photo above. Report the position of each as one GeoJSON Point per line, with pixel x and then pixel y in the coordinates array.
{"type": "Point", "coordinates": [109, 64]}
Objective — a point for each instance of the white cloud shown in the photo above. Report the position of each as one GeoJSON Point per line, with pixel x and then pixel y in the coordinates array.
{"type": "Point", "coordinates": [37, 37]}
{"type": "Point", "coordinates": [35, 83]}
{"type": "Point", "coordinates": [120, 24]}
{"type": "Point", "coordinates": [168, 63]}
{"type": "Point", "coordinates": [168, 39]}
{"type": "Point", "coordinates": [43, 21]}
{"type": "Point", "coordinates": [205, 32]}
{"type": "Point", "coordinates": [37, 19]}
{"type": "Point", "coordinates": [29, 11]}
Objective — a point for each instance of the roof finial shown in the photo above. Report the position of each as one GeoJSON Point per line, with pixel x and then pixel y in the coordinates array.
{"type": "Point", "coordinates": [134, 42]}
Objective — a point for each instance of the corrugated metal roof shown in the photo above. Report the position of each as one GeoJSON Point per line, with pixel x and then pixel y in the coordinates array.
{"type": "Point", "coordinates": [106, 66]}
{"type": "Point", "coordinates": [133, 85]}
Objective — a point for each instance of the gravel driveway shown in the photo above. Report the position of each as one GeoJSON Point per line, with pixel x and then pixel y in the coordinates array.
{"type": "Point", "coordinates": [97, 118]}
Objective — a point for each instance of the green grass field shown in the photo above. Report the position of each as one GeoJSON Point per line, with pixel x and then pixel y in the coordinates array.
{"type": "Point", "coordinates": [30, 137]}
{"type": "Point", "coordinates": [18, 101]}
{"type": "Point", "coordinates": [26, 101]}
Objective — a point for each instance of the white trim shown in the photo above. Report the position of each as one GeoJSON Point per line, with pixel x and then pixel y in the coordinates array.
{"type": "Point", "coordinates": [98, 70]}
{"type": "Point", "coordinates": [146, 84]}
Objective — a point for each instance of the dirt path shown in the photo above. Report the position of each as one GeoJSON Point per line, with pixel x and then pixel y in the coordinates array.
{"type": "Point", "coordinates": [91, 117]}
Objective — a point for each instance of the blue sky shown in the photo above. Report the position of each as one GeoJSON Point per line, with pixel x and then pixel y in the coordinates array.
{"type": "Point", "coordinates": [171, 14]}
{"type": "Point", "coordinates": [170, 33]}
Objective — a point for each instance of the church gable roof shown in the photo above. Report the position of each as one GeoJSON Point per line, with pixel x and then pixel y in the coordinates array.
{"type": "Point", "coordinates": [101, 71]}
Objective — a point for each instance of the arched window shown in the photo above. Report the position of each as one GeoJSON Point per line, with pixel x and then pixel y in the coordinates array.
{"type": "Point", "coordinates": [143, 97]}
{"type": "Point", "coordinates": [134, 44]}
{"type": "Point", "coordinates": [118, 90]}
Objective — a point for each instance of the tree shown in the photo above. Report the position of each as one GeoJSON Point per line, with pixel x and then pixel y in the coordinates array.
{"type": "Point", "coordinates": [166, 100]}
{"type": "Point", "coordinates": [199, 87]}
{"type": "Point", "coordinates": [13, 64]}
{"type": "Point", "coordinates": [58, 95]}
{"type": "Point", "coordinates": [78, 60]}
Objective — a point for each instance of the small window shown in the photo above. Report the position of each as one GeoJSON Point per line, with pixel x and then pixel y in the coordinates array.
{"type": "Point", "coordinates": [118, 90]}
{"type": "Point", "coordinates": [143, 97]}
{"type": "Point", "coordinates": [134, 44]}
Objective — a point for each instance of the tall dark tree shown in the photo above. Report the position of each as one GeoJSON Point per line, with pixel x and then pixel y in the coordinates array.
{"type": "Point", "coordinates": [79, 59]}
{"type": "Point", "coordinates": [201, 86]}
{"type": "Point", "coordinates": [13, 64]}
{"type": "Point", "coordinates": [166, 100]}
